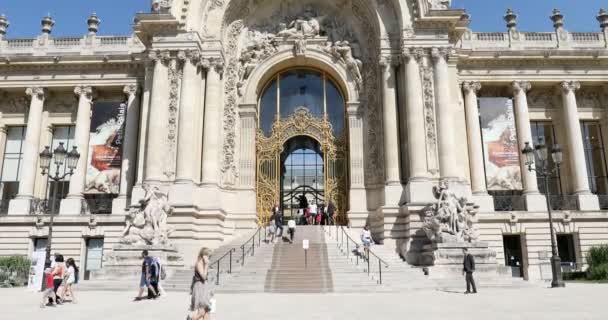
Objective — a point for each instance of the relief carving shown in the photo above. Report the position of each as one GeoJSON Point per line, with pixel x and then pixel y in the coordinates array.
{"type": "Point", "coordinates": [175, 75]}
{"type": "Point", "coordinates": [428, 92]}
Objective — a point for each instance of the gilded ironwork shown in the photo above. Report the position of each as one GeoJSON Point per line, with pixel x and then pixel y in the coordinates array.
{"type": "Point", "coordinates": [335, 155]}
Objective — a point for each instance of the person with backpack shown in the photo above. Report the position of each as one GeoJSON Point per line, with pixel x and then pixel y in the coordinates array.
{"type": "Point", "coordinates": [145, 281]}
{"type": "Point", "coordinates": [70, 281]}
{"type": "Point", "coordinates": [162, 274]}
{"type": "Point", "coordinates": [58, 272]}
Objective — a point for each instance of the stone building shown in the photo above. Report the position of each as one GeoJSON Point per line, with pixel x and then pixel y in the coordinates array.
{"type": "Point", "coordinates": [231, 106]}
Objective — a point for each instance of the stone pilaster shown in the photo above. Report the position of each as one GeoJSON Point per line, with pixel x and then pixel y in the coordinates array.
{"type": "Point", "coordinates": [3, 131]}
{"type": "Point", "coordinates": [576, 150]}
{"type": "Point", "coordinates": [157, 118]}
{"type": "Point", "coordinates": [419, 186]}
{"type": "Point", "coordinates": [445, 116]}
{"type": "Point", "coordinates": [392, 188]}
{"type": "Point", "coordinates": [534, 200]}
{"type": "Point", "coordinates": [476, 161]}
{"type": "Point", "coordinates": [31, 147]}
{"type": "Point", "coordinates": [357, 195]}
{"type": "Point", "coordinates": [72, 204]}
{"type": "Point", "coordinates": [211, 136]}
{"type": "Point", "coordinates": [129, 149]}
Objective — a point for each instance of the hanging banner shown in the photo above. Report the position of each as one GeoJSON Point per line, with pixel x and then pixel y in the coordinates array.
{"type": "Point", "coordinates": [501, 151]}
{"type": "Point", "coordinates": [105, 148]}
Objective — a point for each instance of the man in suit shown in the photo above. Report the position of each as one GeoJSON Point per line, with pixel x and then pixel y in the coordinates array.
{"type": "Point", "coordinates": [468, 267]}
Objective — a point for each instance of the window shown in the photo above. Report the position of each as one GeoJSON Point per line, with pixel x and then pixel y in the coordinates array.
{"type": "Point", "coordinates": [594, 157]}
{"type": "Point", "coordinates": [295, 88]}
{"type": "Point", "coordinates": [542, 131]}
{"type": "Point", "coordinates": [11, 167]}
{"type": "Point", "coordinates": [65, 135]}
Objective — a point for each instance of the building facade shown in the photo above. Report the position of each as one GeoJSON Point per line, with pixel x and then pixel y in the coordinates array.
{"type": "Point", "coordinates": [229, 107]}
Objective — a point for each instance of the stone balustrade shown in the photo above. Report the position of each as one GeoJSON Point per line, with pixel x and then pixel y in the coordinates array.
{"type": "Point", "coordinates": [533, 40]}
{"type": "Point", "coordinates": [70, 45]}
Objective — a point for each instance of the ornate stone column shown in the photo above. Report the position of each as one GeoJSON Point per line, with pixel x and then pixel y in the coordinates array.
{"type": "Point", "coordinates": [129, 149]}
{"type": "Point", "coordinates": [392, 188]}
{"type": "Point", "coordinates": [246, 211]}
{"type": "Point", "coordinates": [211, 130]}
{"type": "Point", "coordinates": [533, 199]}
{"type": "Point", "coordinates": [181, 193]}
{"type": "Point", "coordinates": [158, 117]}
{"type": "Point", "coordinates": [31, 147]}
{"type": "Point", "coordinates": [575, 149]}
{"type": "Point", "coordinates": [445, 122]}
{"type": "Point", "coordinates": [476, 161]}
{"type": "Point", "coordinates": [3, 131]}
{"type": "Point", "coordinates": [72, 204]}
{"type": "Point", "coordinates": [358, 198]}
{"type": "Point", "coordinates": [419, 186]}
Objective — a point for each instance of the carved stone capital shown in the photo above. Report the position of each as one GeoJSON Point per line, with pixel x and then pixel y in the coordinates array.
{"type": "Point", "coordinates": [191, 56]}
{"type": "Point", "coordinates": [569, 86]}
{"type": "Point", "coordinates": [521, 86]}
{"type": "Point", "coordinates": [130, 89]}
{"type": "Point", "coordinates": [216, 63]}
{"type": "Point", "coordinates": [163, 57]}
{"type": "Point", "coordinates": [37, 92]}
{"type": "Point", "coordinates": [440, 54]}
{"type": "Point", "coordinates": [84, 91]}
{"type": "Point", "coordinates": [471, 86]}
{"type": "Point", "coordinates": [413, 53]}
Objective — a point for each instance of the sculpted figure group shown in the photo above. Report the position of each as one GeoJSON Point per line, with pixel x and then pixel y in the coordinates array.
{"type": "Point", "coordinates": [147, 223]}
{"type": "Point", "coordinates": [450, 219]}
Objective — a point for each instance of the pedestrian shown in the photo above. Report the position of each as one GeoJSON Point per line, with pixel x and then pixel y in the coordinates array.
{"type": "Point", "coordinates": [161, 275]}
{"type": "Point", "coordinates": [313, 212]}
{"type": "Point", "coordinates": [146, 275]}
{"type": "Point", "coordinates": [468, 267]}
{"type": "Point", "coordinates": [58, 272]}
{"type": "Point", "coordinates": [307, 215]}
{"type": "Point", "coordinates": [366, 239]}
{"type": "Point", "coordinates": [270, 230]}
{"type": "Point", "coordinates": [70, 282]}
{"type": "Point", "coordinates": [278, 222]}
{"type": "Point", "coordinates": [200, 303]}
{"type": "Point", "coordinates": [291, 225]}
{"type": "Point", "coordinates": [331, 209]}
{"type": "Point", "coordinates": [48, 295]}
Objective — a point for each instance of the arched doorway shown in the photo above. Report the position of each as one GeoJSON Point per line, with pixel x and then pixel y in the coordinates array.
{"type": "Point", "coordinates": [301, 116]}
{"type": "Point", "coordinates": [302, 174]}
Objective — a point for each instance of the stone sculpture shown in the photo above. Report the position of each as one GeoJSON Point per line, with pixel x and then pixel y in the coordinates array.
{"type": "Point", "coordinates": [306, 26]}
{"type": "Point", "coordinates": [147, 222]}
{"type": "Point", "coordinates": [343, 52]}
{"type": "Point", "coordinates": [161, 6]}
{"type": "Point", "coordinates": [450, 219]}
{"type": "Point", "coordinates": [439, 4]}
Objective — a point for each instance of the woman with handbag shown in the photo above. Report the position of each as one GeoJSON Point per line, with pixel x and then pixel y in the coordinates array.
{"type": "Point", "coordinates": [200, 304]}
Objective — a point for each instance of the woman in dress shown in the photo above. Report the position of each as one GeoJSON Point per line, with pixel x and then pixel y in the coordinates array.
{"type": "Point", "coordinates": [200, 290]}
{"type": "Point", "coordinates": [58, 272]}
{"type": "Point", "coordinates": [72, 276]}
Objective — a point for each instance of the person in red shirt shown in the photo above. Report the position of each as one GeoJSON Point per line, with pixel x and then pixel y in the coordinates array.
{"type": "Point", "coordinates": [48, 294]}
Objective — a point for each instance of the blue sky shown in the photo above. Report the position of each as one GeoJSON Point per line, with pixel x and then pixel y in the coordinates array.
{"type": "Point", "coordinates": [117, 15]}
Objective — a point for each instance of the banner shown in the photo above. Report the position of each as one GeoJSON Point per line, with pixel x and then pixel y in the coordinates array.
{"type": "Point", "coordinates": [501, 151]}
{"type": "Point", "coordinates": [105, 148]}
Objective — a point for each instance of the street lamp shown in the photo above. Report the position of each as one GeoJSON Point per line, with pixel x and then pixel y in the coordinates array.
{"type": "Point", "coordinates": [541, 167]}
{"type": "Point", "coordinates": [60, 155]}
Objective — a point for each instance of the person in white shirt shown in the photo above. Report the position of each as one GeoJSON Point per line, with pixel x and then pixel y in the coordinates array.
{"type": "Point", "coordinates": [366, 239]}
{"type": "Point", "coordinates": [291, 229]}
{"type": "Point", "coordinates": [313, 212]}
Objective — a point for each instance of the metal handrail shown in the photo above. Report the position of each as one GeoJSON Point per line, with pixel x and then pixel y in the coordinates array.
{"type": "Point", "coordinates": [340, 244]}
{"type": "Point", "coordinates": [252, 240]}
{"type": "Point", "coordinates": [217, 278]}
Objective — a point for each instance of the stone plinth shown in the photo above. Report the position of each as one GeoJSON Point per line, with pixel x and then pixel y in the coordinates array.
{"type": "Point", "coordinates": [124, 261]}
{"type": "Point", "coordinates": [446, 259]}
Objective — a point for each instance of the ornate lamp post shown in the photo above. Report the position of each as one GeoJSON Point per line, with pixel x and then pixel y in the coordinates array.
{"type": "Point", "coordinates": [60, 155]}
{"type": "Point", "coordinates": [544, 172]}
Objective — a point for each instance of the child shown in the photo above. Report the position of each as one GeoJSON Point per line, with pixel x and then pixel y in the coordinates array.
{"type": "Point", "coordinates": [71, 280]}
{"type": "Point", "coordinates": [48, 295]}
{"type": "Point", "coordinates": [291, 229]}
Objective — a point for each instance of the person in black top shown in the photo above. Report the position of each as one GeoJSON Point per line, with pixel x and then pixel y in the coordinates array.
{"type": "Point", "coordinates": [468, 267]}
{"type": "Point", "coordinates": [277, 215]}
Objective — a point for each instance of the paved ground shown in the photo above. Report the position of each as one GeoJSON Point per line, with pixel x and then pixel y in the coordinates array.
{"type": "Point", "coordinates": [577, 301]}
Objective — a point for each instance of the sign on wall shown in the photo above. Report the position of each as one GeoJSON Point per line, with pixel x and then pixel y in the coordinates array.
{"type": "Point", "coordinates": [501, 151]}
{"type": "Point", "coordinates": [105, 148]}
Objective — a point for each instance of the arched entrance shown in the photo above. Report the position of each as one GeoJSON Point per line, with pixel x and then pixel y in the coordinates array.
{"type": "Point", "coordinates": [301, 127]}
